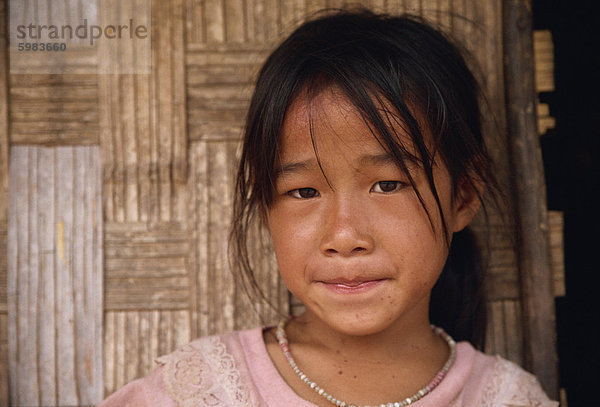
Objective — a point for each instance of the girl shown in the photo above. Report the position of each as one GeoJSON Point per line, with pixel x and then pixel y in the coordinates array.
{"type": "Point", "coordinates": [364, 159]}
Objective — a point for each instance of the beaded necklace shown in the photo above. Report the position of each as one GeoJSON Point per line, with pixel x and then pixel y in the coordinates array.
{"type": "Point", "coordinates": [283, 343]}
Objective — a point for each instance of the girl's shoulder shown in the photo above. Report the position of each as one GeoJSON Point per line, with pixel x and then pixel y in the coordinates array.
{"type": "Point", "coordinates": [209, 371]}
{"type": "Point", "coordinates": [494, 382]}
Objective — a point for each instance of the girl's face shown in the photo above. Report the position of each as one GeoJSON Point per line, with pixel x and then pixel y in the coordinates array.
{"type": "Point", "coordinates": [359, 252]}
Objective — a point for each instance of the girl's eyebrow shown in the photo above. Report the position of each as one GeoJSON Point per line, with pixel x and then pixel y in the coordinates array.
{"type": "Point", "coordinates": [376, 159]}
{"type": "Point", "coordinates": [384, 159]}
{"type": "Point", "coordinates": [294, 167]}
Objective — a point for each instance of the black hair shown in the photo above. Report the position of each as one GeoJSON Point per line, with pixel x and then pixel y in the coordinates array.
{"type": "Point", "coordinates": [378, 60]}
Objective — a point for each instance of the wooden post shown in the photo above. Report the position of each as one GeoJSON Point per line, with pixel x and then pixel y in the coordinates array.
{"type": "Point", "coordinates": [530, 196]}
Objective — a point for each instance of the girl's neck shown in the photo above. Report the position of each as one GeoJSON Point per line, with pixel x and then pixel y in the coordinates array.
{"type": "Point", "coordinates": [402, 340]}
{"type": "Point", "coordinates": [387, 366]}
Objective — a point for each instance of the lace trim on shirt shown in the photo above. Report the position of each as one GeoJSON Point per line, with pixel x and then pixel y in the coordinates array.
{"type": "Point", "coordinates": [511, 386]}
{"type": "Point", "coordinates": [202, 374]}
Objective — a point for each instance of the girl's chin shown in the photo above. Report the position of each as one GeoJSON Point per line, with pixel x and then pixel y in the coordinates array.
{"type": "Point", "coordinates": [351, 323]}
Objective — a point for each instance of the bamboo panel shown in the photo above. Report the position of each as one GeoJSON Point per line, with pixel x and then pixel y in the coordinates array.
{"type": "Point", "coordinates": [3, 113]}
{"type": "Point", "coordinates": [90, 54]}
{"type": "Point", "coordinates": [146, 266]}
{"type": "Point", "coordinates": [79, 57]}
{"type": "Point", "coordinates": [219, 84]}
{"type": "Point", "coordinates": [4, 359]}
{"type": "Point", "coordinates": [3, 316]}
{"type": "Point", "coordinates": [216, 291]}
{"type": "Point", "coordinates": [3, 155]}
{"type": "Point", "coordinates": [143, 129]}
{"type": "Point", "coordinates": [80, 60]}
{"type": "Point", "coordinates": [543, 54]}
{"type": "Point", "coordinates": [53, 109]}
{"type": "Point", "coordinates": [3, 266]}
{"type": "Point", "coordinates": [50, 11]}
{"type": "Point", "coordinates": [4, 386]}
{"type": "Point", "coordinates": [55, 276]}
{"type": "Point", "coordinates": [215, 22]}
{"type": "Point", "coordinates": [133, 339]}
{"type": "Point", "coordinates": [557, 251]}
{"type": "Point", "coordinates": [221, 305]}
{"type": "Point", "coordinates": [409, 6]}
{"type": "Point", "coordinates": [545, 122]}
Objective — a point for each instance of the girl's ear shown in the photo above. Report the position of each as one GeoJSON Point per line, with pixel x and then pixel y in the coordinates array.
{"type": "Point", "coordinates": [467, 202]}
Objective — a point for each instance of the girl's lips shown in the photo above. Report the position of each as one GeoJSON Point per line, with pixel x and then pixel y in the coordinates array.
{"type": "Point", "coordinates": [351, 286]}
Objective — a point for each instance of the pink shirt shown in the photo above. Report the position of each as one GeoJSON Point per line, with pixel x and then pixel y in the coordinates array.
{"type": "Point", "coordinates": [236, 370]}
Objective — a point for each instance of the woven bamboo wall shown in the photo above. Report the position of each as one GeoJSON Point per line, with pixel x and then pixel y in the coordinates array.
{"type": "Point", "coordinates": [4, 398]}
{"type": "Point", "coordinates": [163, 147]}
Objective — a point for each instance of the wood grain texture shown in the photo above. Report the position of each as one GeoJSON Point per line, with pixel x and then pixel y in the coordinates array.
{"type": "Point", "coordinates": [557, 251]}
{"type": "Point", "coordinates": [80, 58]}
{"type": "Point", "coordinates": [256, 22]}
{"type": "Point", "coordinates": [504, 331]}
{"type": "Point", "coordinates": [4, 106]}
{"type": "Point", "coordinates": [543, 54]}
{"type": "Point", "coordinates": [55, 276]}
{"type": "Point", "coordinates": [218, 88]}
{"type": "Point", "coordinates": [53, 109]}
{"type": "Point", "coordinates": [4, 154]}
{"type": "Point", "coordinates": [4, 392]}
{"type": "Point", "coordinates": [146, 266]}
{"type": "Point", "coordinates": [534, 248]}
{"type": "Point", "coordinates": [143, 130]}
{"type": "Point", "coordinates": [133, 339]}
{"type": "Point", "coordinates": [3, 266]}
{"type": "Point", "coordinates": [4, 387]}
{"type": "Point", "coordinates": [222, 305]}
{"type": "Point", "coordinates": [501, 280]}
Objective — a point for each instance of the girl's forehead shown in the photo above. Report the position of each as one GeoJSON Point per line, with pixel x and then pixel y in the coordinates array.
{"type": "Point", "coordinates": [330, 119]}
{"type": "Point", "coordinates": [318, 122]}
{"type": "Point", "coordinates": [330, 103]}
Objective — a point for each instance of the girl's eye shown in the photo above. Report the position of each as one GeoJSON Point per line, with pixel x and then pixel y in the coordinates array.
{"type": "Point", "coordinates": [304, 193]}
{"type": "Point", "coordinates": [386, 187]}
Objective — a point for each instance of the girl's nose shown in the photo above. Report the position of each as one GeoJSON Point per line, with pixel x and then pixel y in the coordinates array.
{"type": "Point", "coordinates": [346, 229]}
